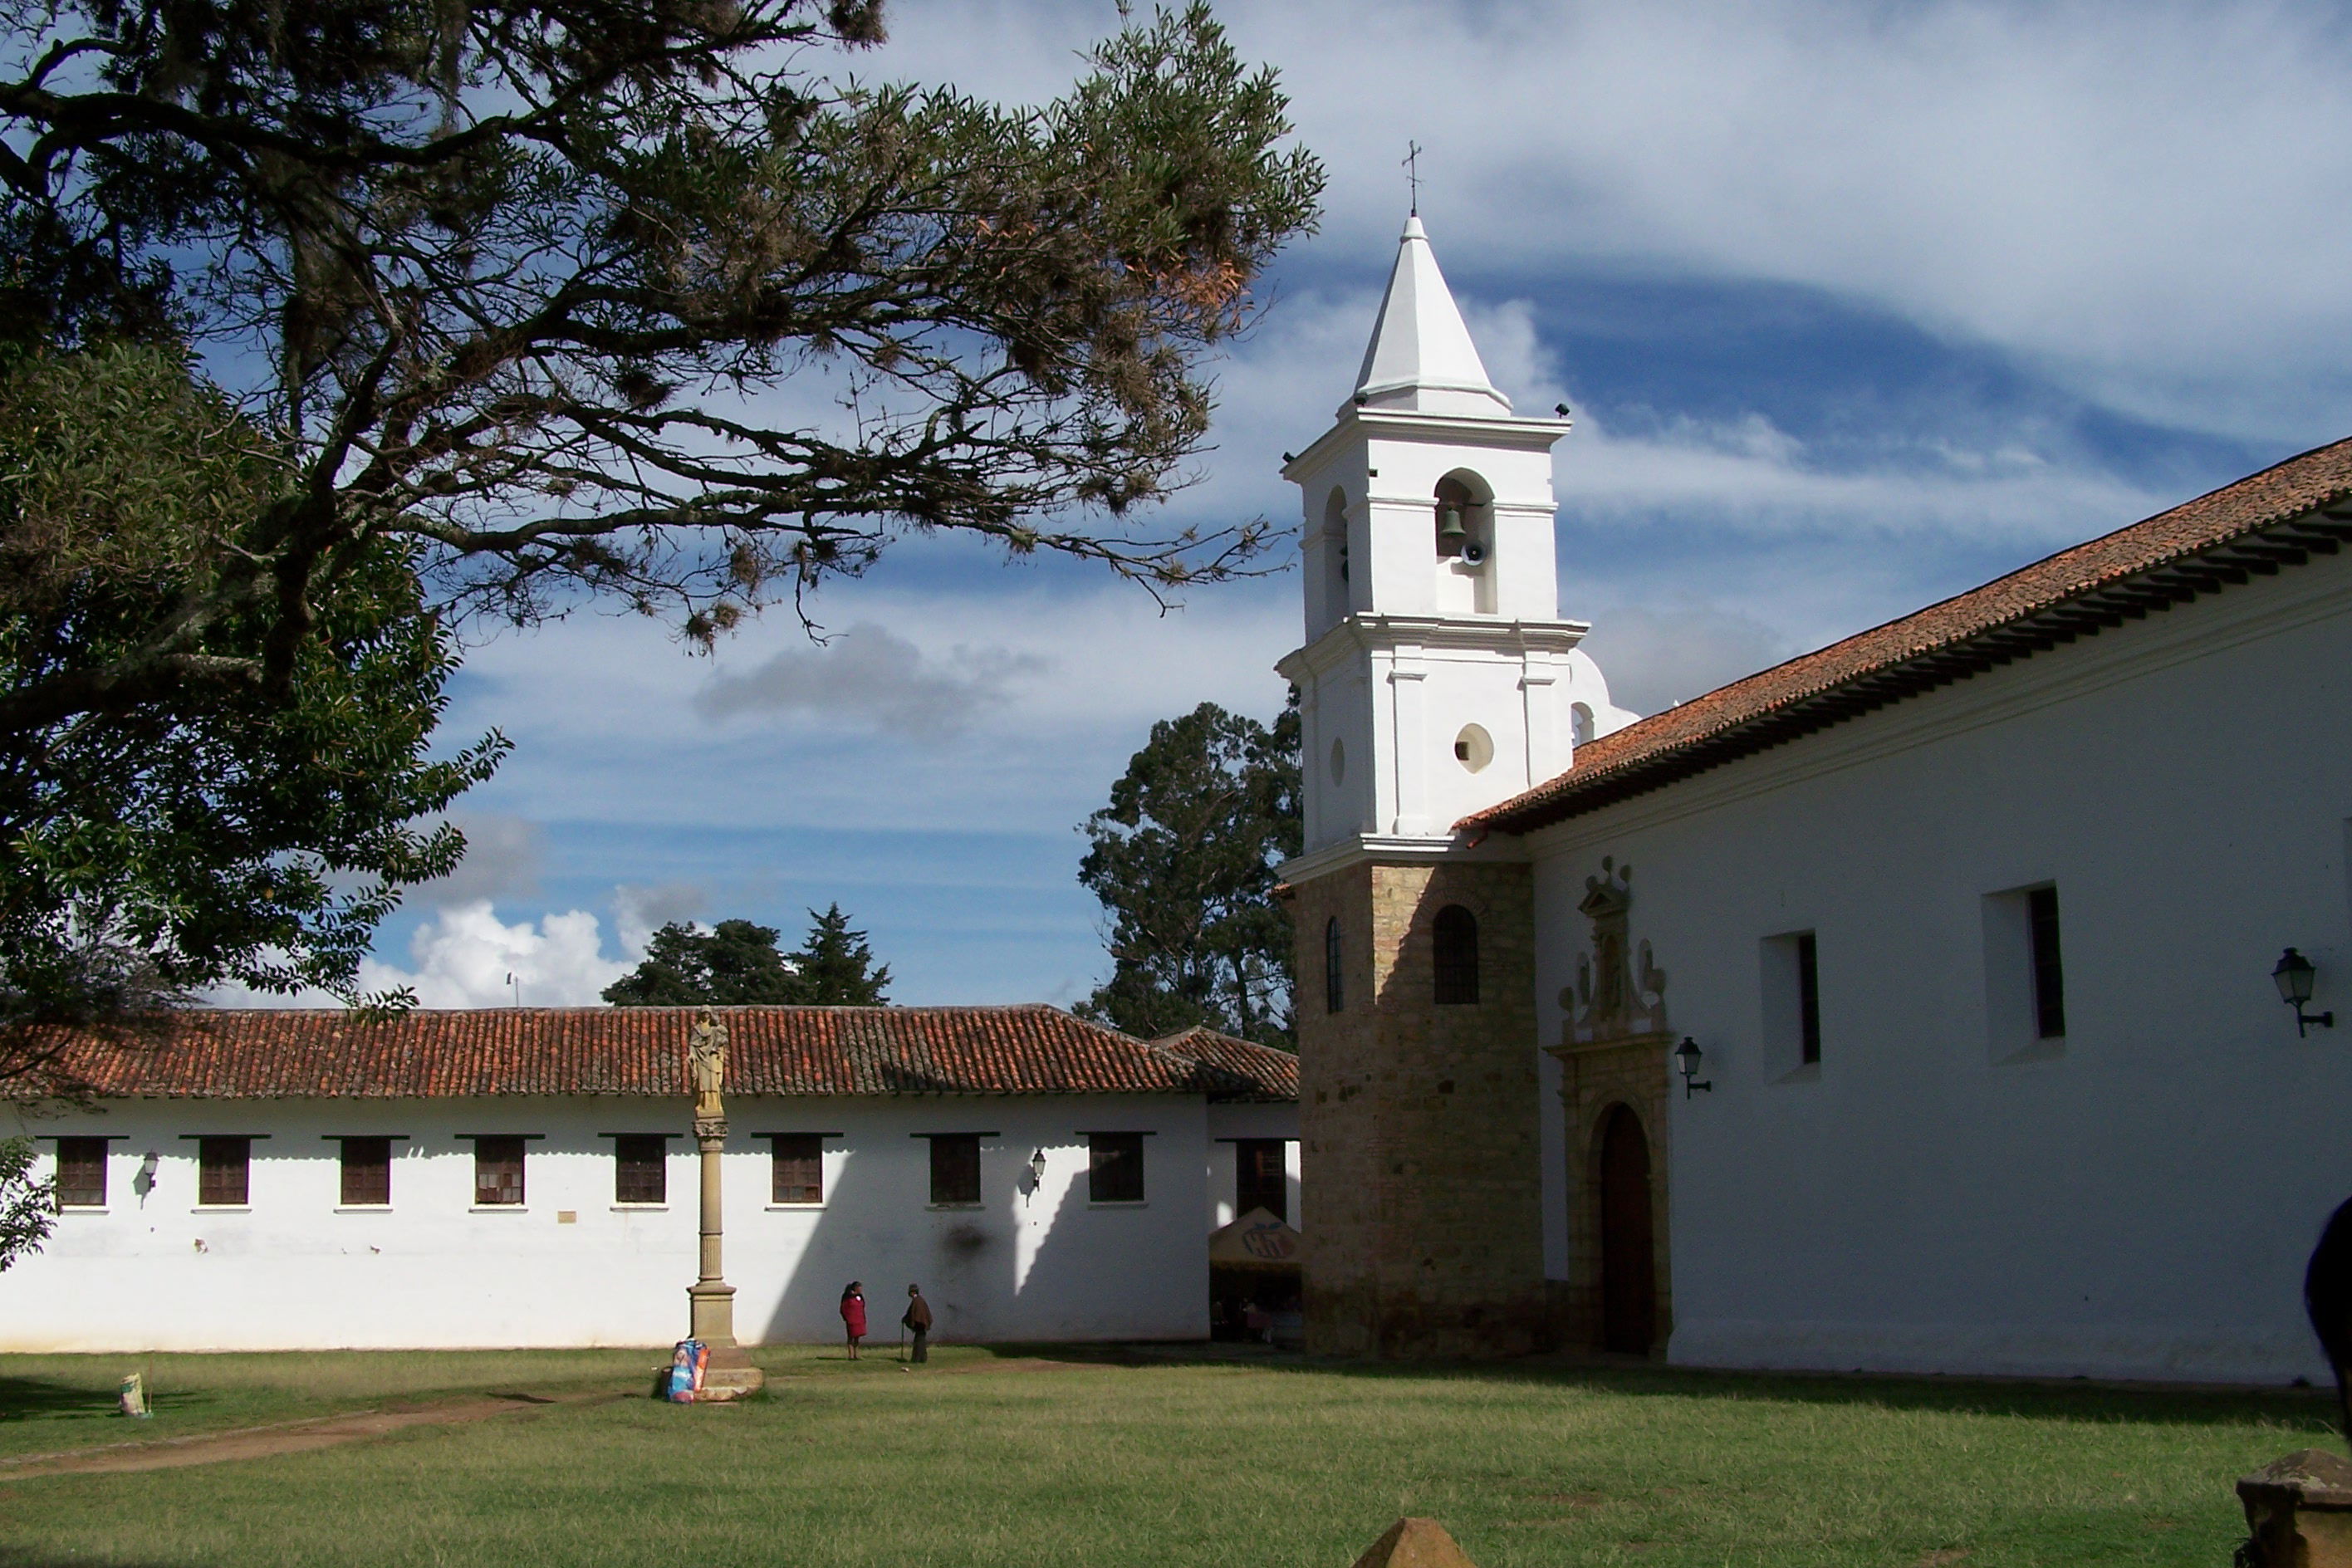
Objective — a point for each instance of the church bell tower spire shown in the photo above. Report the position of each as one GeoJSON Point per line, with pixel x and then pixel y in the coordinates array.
{"type": "Point", "coordinates": [1438, 677]}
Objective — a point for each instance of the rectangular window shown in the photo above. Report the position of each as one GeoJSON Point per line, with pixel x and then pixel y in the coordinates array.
{"type": "Point", "coordinates": [955, 1168]}
{"type": "Point", "coordinates": [640, 1168]}
{"type": "Point", "coordinates": [1260, 1178]}
{"type": "Point", "coordinates": [367, 1173]}
{"type": "Point", "coordinates": [224, 1172]}
{"type": "Point", "coordinates": [1792, 1006]}
{"type": "Point", "coordinates": [2049, 974]}
{"type": "Point", "coordinates": [497, 1171]}
{"type": "Point", "coordinates": [797, 1173]}
{"type": "Point", "coordinates": [82, 1172]}
{"type": "Point", "coordinates": [1115, 1167]}
{"type": "Point", "coordinates": [1809, 1000]}
{"type": "Point", "coordinates": [2025, 985]}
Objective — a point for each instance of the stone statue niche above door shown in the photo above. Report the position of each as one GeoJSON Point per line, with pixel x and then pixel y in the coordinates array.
{"type": "Point", "coordinates": [1619, 992]}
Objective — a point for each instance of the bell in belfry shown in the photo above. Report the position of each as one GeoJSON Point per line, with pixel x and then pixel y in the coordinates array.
{"type": "Point", "coordinates": [1449, 531]}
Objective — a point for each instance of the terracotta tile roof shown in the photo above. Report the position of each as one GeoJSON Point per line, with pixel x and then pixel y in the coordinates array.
{"type": "Point", "coordinates": [268, 1054]}
{"type": "Point", "coordinates": [1236, 1070]}
{"type": "Point", "coordinates": [2274, 518]}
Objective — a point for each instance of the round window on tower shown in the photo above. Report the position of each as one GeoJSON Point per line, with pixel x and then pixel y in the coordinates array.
{"type": "Point", "coordinates": [1339, 762]}
{"type": "Point", "coordinates": [1474, 748]}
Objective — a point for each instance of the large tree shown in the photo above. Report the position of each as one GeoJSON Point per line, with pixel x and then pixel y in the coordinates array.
{"type": "Point", "coordinates": [1183, 860]}
{"type": "Point", "coordinates": [647, 299]}
{"type": "Point", "coordinates": [181, 839]}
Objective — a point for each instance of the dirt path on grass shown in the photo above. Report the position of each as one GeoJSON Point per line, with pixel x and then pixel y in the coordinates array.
{"type": "Point", "coordinates": [285, 1436]}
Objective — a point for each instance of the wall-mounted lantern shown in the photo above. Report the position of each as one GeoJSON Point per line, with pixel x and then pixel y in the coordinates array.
{"type": "Point", "coordinates": [1037, 1170]}
{"type": "Point", "coordinates": [1687, 1056]}
{"type": "Point", "coordinates": [2293, 977]}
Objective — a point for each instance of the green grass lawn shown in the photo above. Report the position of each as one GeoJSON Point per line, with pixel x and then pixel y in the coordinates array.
{"type": "Point", "coordinates": [1041, 1459]}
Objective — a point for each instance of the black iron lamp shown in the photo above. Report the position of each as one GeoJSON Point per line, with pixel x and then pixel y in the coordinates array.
{"type": "Point", "coordinates": [1687, 1056]}
{"type": "Point", "coordinates": [2293, 976]}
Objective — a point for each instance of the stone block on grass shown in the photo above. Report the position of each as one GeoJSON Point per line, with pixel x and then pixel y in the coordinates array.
{"type": "Point", "coordinates": [1414, 1543]}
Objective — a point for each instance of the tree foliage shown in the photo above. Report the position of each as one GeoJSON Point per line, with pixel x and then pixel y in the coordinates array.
{"type": "Point", "coordinates": [181, 839]}
{"type": "Point", "coordinates": [737, 963]}
{"type": "Point", "coordinates": [27, 1207]}
{"type": "Point", "coordinates": [1183, 860]}
{"type": "Point", "coordinates": [644, 297]}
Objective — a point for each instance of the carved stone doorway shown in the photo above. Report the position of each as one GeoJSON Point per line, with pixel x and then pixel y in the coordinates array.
{"type": "Point", "coordinates": [1629, 1279]}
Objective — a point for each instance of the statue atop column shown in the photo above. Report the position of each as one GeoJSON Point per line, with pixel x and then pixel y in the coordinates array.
{"type": "Point", "coordinates": [706, 1063]}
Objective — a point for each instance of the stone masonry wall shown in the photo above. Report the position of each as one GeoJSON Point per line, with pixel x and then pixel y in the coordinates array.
{"type": "Point", "coordinates": [1418, 1123]}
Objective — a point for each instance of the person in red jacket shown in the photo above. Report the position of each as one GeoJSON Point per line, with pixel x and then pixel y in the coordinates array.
{"type": "Point", "coordinates": [853, 1315]}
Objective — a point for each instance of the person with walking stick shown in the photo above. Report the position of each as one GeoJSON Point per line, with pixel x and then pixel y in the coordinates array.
{"type": "Point", "coordinates": [918, 1322]}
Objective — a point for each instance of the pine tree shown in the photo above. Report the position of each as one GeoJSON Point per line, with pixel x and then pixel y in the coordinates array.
{"type": "Point", "coordinates": [836, 968]}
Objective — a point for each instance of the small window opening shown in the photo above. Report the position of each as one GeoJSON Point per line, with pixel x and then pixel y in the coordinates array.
{"type": "Point", "coordinates": [1808, 1001]}
{"type": "Point", "coordinates": [366, 1172]}
{"type": "Point", "coordinates": [497, 1171]}
{"type": "Point", "coordinates": [1455, 945]}
{"type": "Point", "coordinates": [1261, 1177]}
{"type": "Point", "coordinates": [1335, 995]}
{"type": "Point", "coordinates": [2049, 973]}
{"type": "Point", "coordinates": [224, 1172]}
{"type": "Point", "coordinates": [1115, 1167]}
{"type": "Point", "coordinates": [796, 1174]}
{"type": "Point", "coordinates": [640, 1168]}
{"type": "Point", "coordinates": [955, 1168]}
{"type": "Point", "coordinates": [82, 1172]}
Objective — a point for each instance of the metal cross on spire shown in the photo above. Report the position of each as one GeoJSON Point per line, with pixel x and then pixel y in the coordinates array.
{"type": "Point", "coordinates": [1413, 173]}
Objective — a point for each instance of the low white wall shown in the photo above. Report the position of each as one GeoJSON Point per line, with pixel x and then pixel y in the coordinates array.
{"type": "Point", "coordinates": [2139, 1201]}
{"type": "Point", "coordinates": [291, 1272]}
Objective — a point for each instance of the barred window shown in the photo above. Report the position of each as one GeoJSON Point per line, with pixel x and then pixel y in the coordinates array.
{"type": "Point", "coordinates": [498, 1170]}
{"type": "Point", "coordinates": [1456, 957]}
{"type": "Point", "coordinates": [367, 1173]}
{"type": "Point", "coordinates": [797, 1170]}
{"type": "Point", "coordinates": [955, 1168]}
{"type": "Point", "coordinates": [224, 1170]}
{"type": "Point", "coordinates": [640, 1168]}
{"type": "Point", "coordinates": [1335, 995]}
{"type": "Point", "coordinates": [1115, 1167]}
{"type": "Point", "coordinates": [82, 1172]}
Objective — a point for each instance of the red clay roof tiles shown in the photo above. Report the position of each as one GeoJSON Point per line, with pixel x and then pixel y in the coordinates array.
{"type": "Point", "coordinates": [1258, 1072]}
{"type": "Point", "coordinates": [301, 1053]}
{"type": "Point", "coordinates": [1750, 714]}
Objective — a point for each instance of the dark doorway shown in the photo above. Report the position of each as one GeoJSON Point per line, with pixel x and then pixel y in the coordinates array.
{"type": "Point", "coordinates": [1629, 1278]}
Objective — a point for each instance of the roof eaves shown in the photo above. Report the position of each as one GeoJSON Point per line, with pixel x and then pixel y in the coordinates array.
{"type": "Point", "coordinates": [2285, 536]}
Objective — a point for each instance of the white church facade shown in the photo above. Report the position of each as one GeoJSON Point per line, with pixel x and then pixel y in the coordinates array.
{"type": "Point", "coordinates": [1970, 923]}
{"type": "Point", "coordinates": [527, 1177]}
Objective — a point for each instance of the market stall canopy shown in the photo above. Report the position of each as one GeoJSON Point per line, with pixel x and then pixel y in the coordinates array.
{"type": "Point", "coordinates": [1256, 1240]}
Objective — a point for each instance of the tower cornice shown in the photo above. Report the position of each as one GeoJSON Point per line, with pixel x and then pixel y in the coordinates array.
{"type": "Point", "coordinates": [1368, 632]}
{"type": "Point", "coordinates": [1394, 424]}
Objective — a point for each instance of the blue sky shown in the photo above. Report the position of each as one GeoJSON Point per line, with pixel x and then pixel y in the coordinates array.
{"type": "Point", "coordinates": [1858, 305]}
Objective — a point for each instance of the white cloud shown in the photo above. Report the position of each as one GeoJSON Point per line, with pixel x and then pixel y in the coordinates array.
{"type": "Point", "coordinates": [870, 677]}
{"type": "Point", "coordinates": [463, 956]}
{"type": "Point", "coordinates": [2136, 198]}
{"type": "Point", "coordinates": [503, 859]}
{"type": "Point", "coordinates": [1654, 657]}
{"type": "Point", "coordinates": [639, 911]}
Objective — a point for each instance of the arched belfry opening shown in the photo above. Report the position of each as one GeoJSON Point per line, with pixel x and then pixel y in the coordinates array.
{"type": "Point", "coordinates": [1335, 565]}
{"type": "Point", "coordinates": [1463, 520]}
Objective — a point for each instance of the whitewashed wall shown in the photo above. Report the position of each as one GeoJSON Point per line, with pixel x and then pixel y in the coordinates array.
{"type": "Point", "coordinates": [2141, 1203]}
{"type": "Point", "coordinates": [290, 1272]}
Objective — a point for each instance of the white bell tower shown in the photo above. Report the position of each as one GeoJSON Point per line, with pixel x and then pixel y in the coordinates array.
{"type": "Point", "coordinates": [1437, 677]}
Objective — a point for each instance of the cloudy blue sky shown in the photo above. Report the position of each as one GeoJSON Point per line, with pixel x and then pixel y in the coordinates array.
{"type": "Point", "coordinates": [1859, 305]}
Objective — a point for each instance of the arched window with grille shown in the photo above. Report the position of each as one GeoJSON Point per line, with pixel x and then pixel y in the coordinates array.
{"type": "Point", "coordinates": [1335, 992]}
{"type": "Point", "coordinates": [1456, 957]}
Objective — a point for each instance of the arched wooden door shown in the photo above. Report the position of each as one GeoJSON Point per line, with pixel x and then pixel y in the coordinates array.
{"type": "Point", "coordinates": [1629, 1269]}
